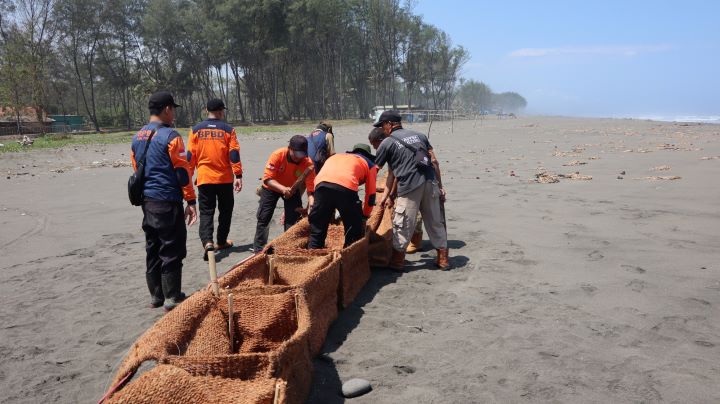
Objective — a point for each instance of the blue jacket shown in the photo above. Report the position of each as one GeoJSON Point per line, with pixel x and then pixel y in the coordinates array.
{"type": "Point", "coordinates": [167, 171]}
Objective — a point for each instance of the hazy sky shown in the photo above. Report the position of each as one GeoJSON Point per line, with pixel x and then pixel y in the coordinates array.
{"type": "Point", "coordinates": [592, 58]}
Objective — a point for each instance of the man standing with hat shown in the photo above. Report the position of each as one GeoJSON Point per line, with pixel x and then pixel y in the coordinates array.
{"type": "Point", "coordinates": [215, 156]}
{"type": "Point", "coordinates": [336, 187]}
{"type": "Point", "coordinates": [167, 183]}
{"type": "Point", "coordinates": [413, 162]}
{"type": "Point", "coordinates": [284, 168]}
{"type": "Point", "coordinates": [376, 137]}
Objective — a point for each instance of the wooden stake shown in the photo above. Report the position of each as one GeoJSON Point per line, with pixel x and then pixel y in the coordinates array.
{"type": "Point", "coordinates": [297, 310]}
{"type": "Point", "coordinates": [276, 400]}
{"type": "Point", "coordinates": [231, 323]}
{"type": "Point", "coordinates": [213, 273]}
{"type": "Point", "coordinates": [271, 270]}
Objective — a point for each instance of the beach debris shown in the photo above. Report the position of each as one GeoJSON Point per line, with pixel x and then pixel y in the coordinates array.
{"type": "Point", "coordinates": [622, 172]}
{"type": "Point", "coordinates": [2, 145]}
{"type": "Point", "coordinates": [660, 178]}
{"type": "Point", "coordinates": [59, 171]}
{"type": "Point", "coordinates": [574, 163]}
{"type": "Point", "coordinates": [356, 387]}
{"type": "Point", "coordinates": [619, 177]}
{"type": "Point", "coordinates": [105, 163]}
{"type": "Point", "coordinates": [512, 173]}
{"type": "Point", "coordinates": [545, 177]}
{"type": "Point", "coordinates": [576, 151]}
{"type": "Point", "coordinates": [26, 141]}
{"type": "Point", "coordinates": [576, 176]}
{"type": "Point", "coordinates": [121, 163]}
{"type": "Point", "coordinates": [660, 168]}
{"type": "Point", "coordinates": [593, 158]}
{"type": "Point", "coordinates": [710, 158]}
{"type": "Point", "coordinates": [667, 146]}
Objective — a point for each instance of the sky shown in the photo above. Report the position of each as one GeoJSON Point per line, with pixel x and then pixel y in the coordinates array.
{"type": "Point", "coordinates": [631, 58]}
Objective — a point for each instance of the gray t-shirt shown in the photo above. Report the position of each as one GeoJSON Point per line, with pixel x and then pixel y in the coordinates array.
{"type": "Point", "coordinates": [401, 159]}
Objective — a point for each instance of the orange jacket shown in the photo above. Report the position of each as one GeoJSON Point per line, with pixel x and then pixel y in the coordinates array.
{"type": "Point", "coordinates": [351, 170]}
{"type": "Point", "coordinates": [281, 169]}
{"type": "Point", "coordinates": [214, 152]}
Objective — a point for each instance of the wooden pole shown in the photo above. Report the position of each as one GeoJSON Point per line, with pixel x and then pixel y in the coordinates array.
{"type": "Point", "coordinates": [213, 272]}
{"type": "Point", "coordinates": [271, 270]}
{"type": "Point", "coordinates": [297, 310]}
{"type": "Point", "coordinates": [276, 399]}
{"type": "Point", "coordinates": [231, 323]}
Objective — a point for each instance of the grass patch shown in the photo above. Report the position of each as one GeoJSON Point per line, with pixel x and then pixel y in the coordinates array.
{"type": "Point", "coordinates": [58, 140]}
{"type": "Point", "coordinates": [55, 141]}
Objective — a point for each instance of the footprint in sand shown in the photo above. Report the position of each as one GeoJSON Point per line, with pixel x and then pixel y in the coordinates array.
{"type": "Point", "coordinates": [403, 369]}
{"type": "Point", "coordinates": [698, 301]}
{"type": "Point", "coordinates": [595, 256]}
{"type": "Point", "coordinates": [633, 268]}
{"type": "Point", "coordinates": [704, 343]}
{"type": "Point", "coordinates": [636, 285]}
{"type": "Point", "coordinates": [588, 288]}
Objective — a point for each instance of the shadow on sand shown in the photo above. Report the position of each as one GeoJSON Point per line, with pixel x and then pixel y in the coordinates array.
{"type": "Point", "coordinates": [327, 386]}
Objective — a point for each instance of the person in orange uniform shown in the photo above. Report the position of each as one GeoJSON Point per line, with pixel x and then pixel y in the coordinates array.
{"type": "Point", "coordinates": [215, 156]}
{"type": "Point", "coordinates": [336, 187]}
{"type": "Point", "coordinates": [284, 167]}
{"type": "Point", "coordinates": [167, 182]}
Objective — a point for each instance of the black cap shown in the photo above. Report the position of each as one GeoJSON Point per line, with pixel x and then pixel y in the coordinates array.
{"type": "Point", "coordinates": [161, 99]}
{"type": "Point", "coordinates": [376, 135]}
{"type": "Point", "coordinates": [215, 104]}
{"type": "Point", "coordinates": [299, 143]}
{"type": "Point", "coordinates": [388, 116]}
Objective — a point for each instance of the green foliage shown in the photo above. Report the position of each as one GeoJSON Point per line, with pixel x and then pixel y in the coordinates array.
{"type": "Point", "coordinates": [270, 60]}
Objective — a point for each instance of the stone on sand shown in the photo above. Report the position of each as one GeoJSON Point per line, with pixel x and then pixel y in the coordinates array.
{"type": "Point", "coordinates": [355, 387]}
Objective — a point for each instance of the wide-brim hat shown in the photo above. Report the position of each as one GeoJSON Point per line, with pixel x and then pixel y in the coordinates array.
{"type": "Point", "coordinates": [363, 149]}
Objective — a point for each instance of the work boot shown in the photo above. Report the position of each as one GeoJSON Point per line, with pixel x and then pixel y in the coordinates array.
{"type": "Point", "coordinates": [397, 261]}
{"type": "Point", "coordinates": [415, 243]}
{"type": "Point", "coordinates": [442, 259]}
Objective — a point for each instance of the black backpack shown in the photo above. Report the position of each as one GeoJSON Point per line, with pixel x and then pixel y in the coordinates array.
{"type": "Point", "coordinates": [136, 182]}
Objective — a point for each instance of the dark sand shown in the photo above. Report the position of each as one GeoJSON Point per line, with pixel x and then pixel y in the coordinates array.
{"type": "Point", "coordinates": [601, 290]}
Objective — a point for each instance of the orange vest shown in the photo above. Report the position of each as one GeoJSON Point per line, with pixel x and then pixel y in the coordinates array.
{"type": "Point", "coordinates": [350, 170]}
{"type": "Point", "coordinates": [214, 152]}
{"type": "Point", "coordinates": [284, 171]}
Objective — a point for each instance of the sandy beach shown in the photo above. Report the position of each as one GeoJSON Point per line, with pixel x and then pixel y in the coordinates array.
{"type": "Point", "coordinates": [585, 256]}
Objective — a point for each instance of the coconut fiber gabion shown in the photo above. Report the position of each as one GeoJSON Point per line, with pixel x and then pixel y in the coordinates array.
{"type": "Point", "coordinates": [380, 237]}
{"type": "Point", "coordinates": [317, 275]}
{"type": "Point", "coordinates": [354, 270]}
{"type": "Point", "coordinates": [354, 267]}
{"type": "Point", "coordinates": [271, 327]}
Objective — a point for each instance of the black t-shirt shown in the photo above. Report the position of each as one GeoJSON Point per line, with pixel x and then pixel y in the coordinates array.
{"type": "Point", "coordinates": [401, 159]}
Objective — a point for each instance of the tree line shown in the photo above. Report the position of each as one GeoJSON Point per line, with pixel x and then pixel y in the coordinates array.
{"type": "Point", "coordinates": [270, 60]}
{"type": "Point", "coordinates": [477, 98]}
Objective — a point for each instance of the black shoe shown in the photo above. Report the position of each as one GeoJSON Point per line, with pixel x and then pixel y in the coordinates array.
{"type": "Point", "coordinates": [154, 304]}
{"type": "Point", "coordinates": [172, 303]}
